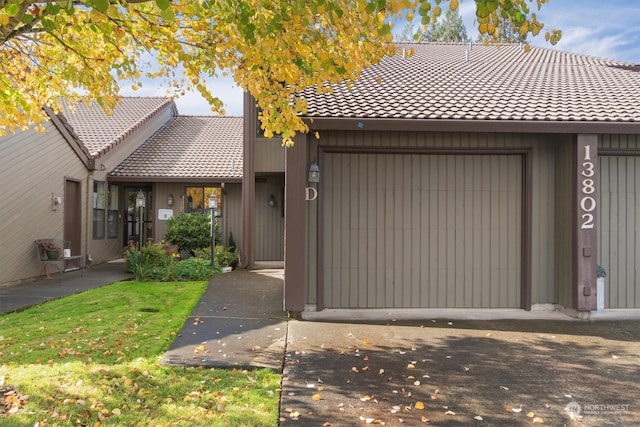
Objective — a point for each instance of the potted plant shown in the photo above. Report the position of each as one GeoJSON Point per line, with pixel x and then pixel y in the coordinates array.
{"type": "Point", "coordinates": [50, 250]}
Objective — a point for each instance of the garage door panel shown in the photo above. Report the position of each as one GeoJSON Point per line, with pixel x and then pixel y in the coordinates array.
{"type": "Point", "coordinates": [422, 235]}
{"type": "Point", "coordinates": [618, 225]}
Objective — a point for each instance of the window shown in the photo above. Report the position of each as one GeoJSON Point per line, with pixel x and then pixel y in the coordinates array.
{"type": "Point", "coordinates": [98, 209]}
{"type": "Point", "coordinates": [112, 218]}
{"type": "Point", "coordinates": [197, 198]}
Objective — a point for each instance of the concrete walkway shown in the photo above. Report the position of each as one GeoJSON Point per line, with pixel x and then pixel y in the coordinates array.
{"type": "Point", "coordinates": [238, 322]}
{"type": "Point", "coordinates": [14, 297]}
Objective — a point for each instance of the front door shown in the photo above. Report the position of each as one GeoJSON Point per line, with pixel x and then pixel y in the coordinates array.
{"type": "Point", "coordinates": [138, 224]}
{"type": "Point", "coordinates": [73, 216]}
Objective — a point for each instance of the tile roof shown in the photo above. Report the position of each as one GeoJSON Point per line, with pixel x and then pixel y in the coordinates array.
{"type": "Point", "coordinates": [99, 132]}
{"type": "Point", "coordinates": [194, 147]}
{"type": "Point", "coordinates": [496, 83]}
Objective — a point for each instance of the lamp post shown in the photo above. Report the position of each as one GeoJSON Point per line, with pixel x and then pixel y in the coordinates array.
{"type": "Point", "coordinates": [140, 203]}
{"type": "Point", "coordinates": [213, 205]}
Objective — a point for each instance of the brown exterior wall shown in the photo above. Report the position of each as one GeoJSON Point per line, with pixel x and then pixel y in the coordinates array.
{"type": "Point", "coordinates": [33, 167]}
{"type": "Point", "coordinates": [543, 218]}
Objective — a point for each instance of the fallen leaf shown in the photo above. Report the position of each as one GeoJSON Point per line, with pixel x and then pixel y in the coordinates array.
{"type": "Point", "coordinates": [516, 410]}
{"type": "Point", "coordinates": [538, 420]}
{"type": "Point", "coordinates": [615, 357]}
{"type": "Point", "coordinates": [449, 413]}
{"type": "Point", "coordinates": [530, 414]}
{"type": "Point", "coordinates": [478, 417]}
{"type": "Point", "coordinates": [425, 419]}
{"type": "Point", "coordinates": [504, 388]}
{"type": "Point", "coordinates": [116, 411]}
{"type": "Point", "coordinates": [419, 405]}
{"type": "Point", "coordinates": [316, 397]}
{"type": "Point", "coordinates": [411, 366]}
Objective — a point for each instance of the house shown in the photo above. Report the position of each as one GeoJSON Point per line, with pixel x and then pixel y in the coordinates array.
{"type": "Point", "coordinates": [460, 176]}
{"type": "Point", "coordinates": [78, 180]}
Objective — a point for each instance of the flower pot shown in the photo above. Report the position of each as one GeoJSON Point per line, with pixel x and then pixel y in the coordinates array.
{"type": "Point", "coordinates": [53, 254]}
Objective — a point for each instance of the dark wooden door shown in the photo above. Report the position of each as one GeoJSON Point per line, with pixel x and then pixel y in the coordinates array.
{"type": "Point", "coordinates": [73, 215]}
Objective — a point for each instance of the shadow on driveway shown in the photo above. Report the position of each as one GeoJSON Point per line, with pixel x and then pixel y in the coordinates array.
{"type": "Point", "coordinates": [483, 373]}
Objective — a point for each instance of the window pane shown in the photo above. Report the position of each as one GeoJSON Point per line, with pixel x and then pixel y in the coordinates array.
{"type": "Point", "coordinates": [113, 197]}
{"type": "Point", "coordinates": [98, 224]}
{"type": "Point", "coordinates": [112, 224]}
{"type": "Point", "coordinates": [98, 194]}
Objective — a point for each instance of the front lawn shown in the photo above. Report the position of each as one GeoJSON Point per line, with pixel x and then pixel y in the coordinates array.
{"type": "Point", "coordinates": [93, 359]}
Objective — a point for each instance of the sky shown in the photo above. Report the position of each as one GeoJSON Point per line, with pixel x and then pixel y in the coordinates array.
{"type": "Point", "coordinates": [608, 29]}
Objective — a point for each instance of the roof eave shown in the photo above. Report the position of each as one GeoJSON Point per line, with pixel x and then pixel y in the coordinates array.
{"type": "Point", "coordinates": [174, 179]}
{"type": "Point", "coordinates": [60, 122]}
{"type": "Point", "coordinates": [455, 125]}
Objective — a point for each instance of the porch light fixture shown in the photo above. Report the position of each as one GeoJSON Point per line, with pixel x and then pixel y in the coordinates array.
{"type": "Point", "coordinates": [140, 202]}
{"type": "Point", "coordinates": [272, 201]}
{"type": "Point", "coordinates": [314, 173]}
{"type": "Point", "coordinates": [213, 205]}
{"type": "Point", "coordinates": [213, 201]}
{"type": "Point", "coordinates": [170, 199]}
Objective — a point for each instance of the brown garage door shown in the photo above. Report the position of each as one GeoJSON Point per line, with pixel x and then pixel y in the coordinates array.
{"type": "Point", "coordinates": [421, 230]}
{"type": "Point", "coordinates": [619, 229]}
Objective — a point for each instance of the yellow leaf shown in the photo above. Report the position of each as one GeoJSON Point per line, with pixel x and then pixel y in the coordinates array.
{"type": "Point", "coordinates": [411, 366]}
{"type": "Point", "coordinates": [419, 405]}
{"type": "Point", "coordinates": [453, 5]}
{"type": "Point", "coordinates": [530, 414]}
{"type": "Point", "coordinates": [538, 420]}
{"type": "Point", "coordinates": [316, 397]}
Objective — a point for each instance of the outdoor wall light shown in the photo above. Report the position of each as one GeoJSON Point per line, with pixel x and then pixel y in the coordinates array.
{"type": "Point", "coordinates": [55, 201]}
{"type": "Point", "coordinates": [272, 201]}
{"type": "Point", "coordinates": [170, 199]}
{"type": "Point", "coordinates": [314, 173]}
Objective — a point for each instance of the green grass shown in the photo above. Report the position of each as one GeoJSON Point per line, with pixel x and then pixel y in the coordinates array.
{"type": "Point", "coordinates": [93, 359]}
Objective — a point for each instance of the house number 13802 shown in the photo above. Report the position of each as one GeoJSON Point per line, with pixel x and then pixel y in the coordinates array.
{"type": "Point", "coordinates": [587, 201]}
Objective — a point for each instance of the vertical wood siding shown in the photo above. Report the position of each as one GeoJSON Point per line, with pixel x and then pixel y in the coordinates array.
{"type": "Point", "coordinates": [33, 166]}
{"type": "Point", "coordinates": [422, 230]}
{"type": "Point", "coordinates": [545, 172]}
{"type": "Point", "coordinates": [619, 229]}
{"type": "Point", "coordinates": [269, 231]}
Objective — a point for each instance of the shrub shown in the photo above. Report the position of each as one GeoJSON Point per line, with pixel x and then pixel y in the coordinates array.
{"type": "Point", "coordinates": [600, 272]}
{"type": "Point", "coordinates": [190, 231]}
{"type": "Point", "coordinates": [192, 269]}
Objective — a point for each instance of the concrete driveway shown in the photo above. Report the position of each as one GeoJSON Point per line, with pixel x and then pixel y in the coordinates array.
{"type": "Point", "coordinates": [462, 373]}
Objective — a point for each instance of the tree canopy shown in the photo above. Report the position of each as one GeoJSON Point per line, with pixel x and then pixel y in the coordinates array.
{"type": "Point", "coordinates": [83, 49]}
{"type": "Point", "coordinates": [450, 29]}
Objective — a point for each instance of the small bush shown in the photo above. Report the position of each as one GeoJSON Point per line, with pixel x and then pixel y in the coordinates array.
{"type": "Point", "coordinates": [192, 269]}
{"type": "Point", "coordinates": [191, 231]}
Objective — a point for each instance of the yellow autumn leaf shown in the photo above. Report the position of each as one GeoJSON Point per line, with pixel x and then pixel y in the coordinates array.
{"type": "Point", "coordinates": [538, 420]}
{"type": "Point", "coordinates": [530, 414]}
{"type": "Point", "coordinates": [87, 52]}
{"type": "Point", "coordinates": [316, 397]}
{"type": "Point", "coordinates": [419, 405]}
